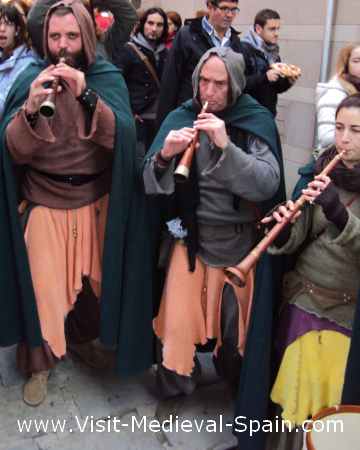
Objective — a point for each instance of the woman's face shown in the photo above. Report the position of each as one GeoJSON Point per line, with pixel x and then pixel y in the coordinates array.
{"type": "Point", "coordinates": [347, 135]}
{"type": "Point", "coordinates": [354, 62]}
{"type": "Point", "coordinates": [172, 26]}
{"type": "Point", "coordinates": [7, 34]}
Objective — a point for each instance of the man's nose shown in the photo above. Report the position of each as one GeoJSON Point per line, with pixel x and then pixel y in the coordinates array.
{"type": "Point", "coordinates": [210, 89]}
{"type": "Point", "coordinates": [63, 42]}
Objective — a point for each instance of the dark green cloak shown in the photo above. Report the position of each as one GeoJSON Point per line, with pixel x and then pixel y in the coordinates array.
{"type": "Point", "coordinates": [126, 299]}
{"type": "Point", "coordinates": [256, 374]}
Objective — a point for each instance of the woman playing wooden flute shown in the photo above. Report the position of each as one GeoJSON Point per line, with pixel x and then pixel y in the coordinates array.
{"type": "Point", "coordinates": [320, 293]}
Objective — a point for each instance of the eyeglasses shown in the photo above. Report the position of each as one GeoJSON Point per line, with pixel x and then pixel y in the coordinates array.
{"type": "Point", "coordinates": [226, 10]}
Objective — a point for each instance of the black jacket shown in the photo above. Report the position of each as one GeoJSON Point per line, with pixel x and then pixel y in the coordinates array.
{"type": "Point", "coordinates": [190, 44]}
{"type": "Point", "coordinates": [143, 89]}
{"type": "Point", "coordinates": [257, 83]}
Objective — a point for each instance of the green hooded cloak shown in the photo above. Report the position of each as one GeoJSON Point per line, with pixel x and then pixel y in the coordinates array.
{"type": "Point", "coordinates": [126, 299]}
{"type": "Point", "coordinates": [252, 402]}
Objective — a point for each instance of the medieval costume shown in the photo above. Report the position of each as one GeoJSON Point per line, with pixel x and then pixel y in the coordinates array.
{"type": "Point", "coordinates": [213, 223]}
{"type": "Point", "coordinates": [319, 304]}
{"type": "Point", "coordinates": [85, 217]}
{"type": "Point", "coordinates": [109, 44]}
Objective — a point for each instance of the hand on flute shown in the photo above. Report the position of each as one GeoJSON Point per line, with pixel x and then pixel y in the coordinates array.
{"type": "Point", "coordinates": [40, 89]}
{"type": "Point", "coordinates": [315, 188]}
{"type": "Point", "coordinates": [281, 213]}
{"type": "Point", "coordinates": [177, 141]}
{"type": "Point", "coordinates": [73, 77]}
{"type": "Point", "coordinates": [326, 195]}
{"type": "Point", "coordinates": [214, 128]}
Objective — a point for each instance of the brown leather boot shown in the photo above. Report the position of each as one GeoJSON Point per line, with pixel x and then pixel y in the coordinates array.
{"type": "Point", "coordinates": [35, 389]}
{"type": "Point", "coordinates": [92, 355]}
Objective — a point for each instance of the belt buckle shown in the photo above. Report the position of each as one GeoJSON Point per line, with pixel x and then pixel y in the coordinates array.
{"type": "Point", "coordinates": [74, 180]}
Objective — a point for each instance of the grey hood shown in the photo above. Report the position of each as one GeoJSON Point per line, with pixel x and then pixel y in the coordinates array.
{"type": "Point", "coordinates": [141, 40]}
{"type": "Point", "coordinates": [235, 65]}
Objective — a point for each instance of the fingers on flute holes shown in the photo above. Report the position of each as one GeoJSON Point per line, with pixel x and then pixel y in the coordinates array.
{"type": "Point", "coordinates": [267, 219]}
{"type": "Point", "coordinates": [295, 217]}
{"type": "Point", "coordinates": [278, 217]}
{"type": "Point", "coordinates": [290, 205]}
{"type": "Point", "coordinates": [284, 211]}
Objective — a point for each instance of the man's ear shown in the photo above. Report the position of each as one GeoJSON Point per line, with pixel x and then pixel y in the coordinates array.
{"type": "Point", "coordinates": [258, 29]}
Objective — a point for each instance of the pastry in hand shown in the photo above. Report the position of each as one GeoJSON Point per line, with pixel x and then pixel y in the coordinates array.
{"type": "Point", "coordinates": [287, 70]}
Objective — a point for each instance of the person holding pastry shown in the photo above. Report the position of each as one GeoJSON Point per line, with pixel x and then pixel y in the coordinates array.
{"type": "Point", "coordinates": [266, 75]}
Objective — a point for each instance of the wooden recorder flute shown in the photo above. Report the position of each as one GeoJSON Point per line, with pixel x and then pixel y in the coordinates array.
{"type": "Point", "coordinates": [182, 170]}
{"type": "Point", "coordinates": [238, 274]}
{"type": "Point", "coordinates": [47, 107]}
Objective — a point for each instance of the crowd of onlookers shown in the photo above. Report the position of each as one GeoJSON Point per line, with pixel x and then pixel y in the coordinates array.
{"type": "Point", "coordinates": [157, 68]}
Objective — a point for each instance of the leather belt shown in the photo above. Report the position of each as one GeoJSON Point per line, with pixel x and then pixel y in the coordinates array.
{"type": "Point", "coordinates": [344, 295]}
{"type": "Point", "coordinates": [73, 180]}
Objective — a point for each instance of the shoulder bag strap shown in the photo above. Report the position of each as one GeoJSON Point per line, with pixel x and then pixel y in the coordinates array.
{"type": "Point", "coordinates": [146, 61]}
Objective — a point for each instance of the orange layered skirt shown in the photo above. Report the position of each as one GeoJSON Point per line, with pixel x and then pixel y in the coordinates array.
{"type": "Point", "coordinates": [63, 247]}
{"type": "Point", "coordinates": [190, 310]}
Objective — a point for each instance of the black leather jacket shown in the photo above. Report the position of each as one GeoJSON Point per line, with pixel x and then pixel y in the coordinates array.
{"type": "Point", "coordinates": [257, 83]}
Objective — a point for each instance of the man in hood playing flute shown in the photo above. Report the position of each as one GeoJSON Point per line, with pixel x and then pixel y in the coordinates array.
{"type": "Point", "coordinates": [236, 173]}
{"type": "Point", "coordinates": [81, 204]}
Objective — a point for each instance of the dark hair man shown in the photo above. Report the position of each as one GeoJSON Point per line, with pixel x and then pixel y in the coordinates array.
{"type": "Point", "coordinates": [261, 50]}
{"type": "Point", "coordinates": [237, 169]}
{"type": "Point", "coordinates": [141, 62]}
{"type": "Point", "coordinates": [123, 12]}
{"type": "Point", "coordinates": [80, 206]}
{"type": "Point", "coordinates": [191, 42]}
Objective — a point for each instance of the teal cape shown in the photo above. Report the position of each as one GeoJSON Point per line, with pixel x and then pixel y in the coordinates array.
{"type": "Point", "coordinates": [126, 298]}
{"type": "Point", "coordinates": [351, 388]}
{"type": "Point", "coordinates": [256, 373]}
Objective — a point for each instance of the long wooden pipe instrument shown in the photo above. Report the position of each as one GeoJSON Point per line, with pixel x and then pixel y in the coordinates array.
{"type": "Point", "coordinates": [238, 274]}
{"type": "Point", "coordinates": [182, 170]}
{"type": "Point", "coordinates": [48, 106]}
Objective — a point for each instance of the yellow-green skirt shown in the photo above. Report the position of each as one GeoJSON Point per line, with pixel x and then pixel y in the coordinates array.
{"type": "Point", "coordinates": [311, 374]}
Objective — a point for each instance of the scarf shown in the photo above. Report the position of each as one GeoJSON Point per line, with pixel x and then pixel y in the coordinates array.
{"type": "Point", "coordinates": [342, 176]}
{"type": "Point", "coordinates": [270, 51]}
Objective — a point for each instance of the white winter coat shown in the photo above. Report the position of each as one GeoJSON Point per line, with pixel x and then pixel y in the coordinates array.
{"type": "Point", "coordinates": [328, 97]}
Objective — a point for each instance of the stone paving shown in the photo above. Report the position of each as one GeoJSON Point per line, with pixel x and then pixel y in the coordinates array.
{"type": "Point", "coordinates": [98, 411]}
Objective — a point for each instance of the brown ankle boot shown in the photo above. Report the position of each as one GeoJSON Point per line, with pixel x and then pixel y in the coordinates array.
{"type": "Point", "coordinates": [35, 388]}
{"type": "Point", "coordinates": [92, 355]}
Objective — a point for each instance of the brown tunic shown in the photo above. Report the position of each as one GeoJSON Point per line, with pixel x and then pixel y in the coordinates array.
{"type": "Point", "coordinates": [63, 146]}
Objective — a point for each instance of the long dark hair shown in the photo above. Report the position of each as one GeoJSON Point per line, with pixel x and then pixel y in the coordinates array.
{"type": "Point", "coordinates": [14, 13]}
{"type": "Point", "coordinates": [144, 17]}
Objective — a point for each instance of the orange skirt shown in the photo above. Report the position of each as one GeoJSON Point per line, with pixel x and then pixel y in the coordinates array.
{"type": "Point", "coordinates": [64, 246]}
{"type": "Point", "coordinates": [190, 310]}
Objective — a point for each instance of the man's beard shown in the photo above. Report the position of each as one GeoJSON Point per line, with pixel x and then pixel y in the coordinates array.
{"type": "Point", "coordinates": [76, 60]}
{"type": "Point", "coordinates": [153, 41]}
